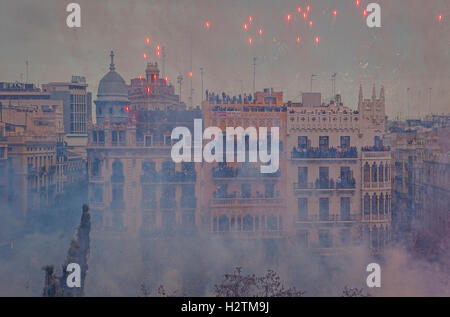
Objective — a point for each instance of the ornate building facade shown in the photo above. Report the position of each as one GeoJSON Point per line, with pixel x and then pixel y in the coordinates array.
{"type": "Point", "coordinates": [134, 186]}
{"type": "Point", "coordinates": [237, 199]}
{"type": "Point", "coordinates": [339, 184]}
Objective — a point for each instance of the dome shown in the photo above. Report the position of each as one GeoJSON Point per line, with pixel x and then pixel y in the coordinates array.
{"type": "Point", "coordinates": [112, 84]}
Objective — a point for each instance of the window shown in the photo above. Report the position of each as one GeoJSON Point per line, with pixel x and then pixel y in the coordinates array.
{"type": "Point", "coordinates": [381, 204]}
{"type": "Point", "coordinates": [122, 139]}
{"type": "Point", "coordinates": [101, 137]}
{"type": "Point", "coordinates": [323, 142]}
{"type": "Point", "coordinates": [366, 204]}
{"type": "Point", "coordinates": [168, 140]}
{"type": "Point", "coordinates": [374, 204]}
{"type": "Point", "coordinates": [378, 142]}
{"type": "Point", "coordinates": [223, 223]}
{"type": "Point", "coordinates": [325, 240]}
{"type": "Point", "coordinates": [247, 223]}
{"type": "Point", "coordinates": [149, 196]}
{"type": "Point", "coordinates": [114, 138]}
{"type": "Point", "coordinates": [324, 209]}
{"type": "Point", "coordinates": [168, 220]}
{"type": "Point", "coordinates": [381, 172]}
{"type": "Point", "coordinates": [323, 177]}
{"type": "Point", "coordinates": [374, 173]}
{"type": "Point", "coordinates": [246, 190]}
{"type": "Point", "coordinates": [148, 140]}
{"type": "Point", "coordinates": [345, 141]}
{"type": "Point", "coordinates": [94, 137]}
{"type": "Point", "coordinates": [97, 193]}
{"type": "Point", "coordinates": [386, 206]}
{"type": "Point", "coordinates": [303, 209]}
{"type": "Point", "coordinates": [366, 173]}
{"type": "Point", "coordinates": [346, 174]}
{"type": "Point", "coordinates": [345, 208]}
{"type": "Point", "coordinates": [302, 142]}
{"type": "Point", "coordinates": [168, 197]}
{"type": "Point", "coordinates": [96, 168]}
{"type": "Point", "coordinates": [272, 222]}
{"type": "Point", "coordinates": [302, 177]}
{"type": "Point", "coordinates": [117, 195]}
{"type": "Point", "coordinates": [117, 172]}
{"type": "Point", "coordinates": [269, 190]}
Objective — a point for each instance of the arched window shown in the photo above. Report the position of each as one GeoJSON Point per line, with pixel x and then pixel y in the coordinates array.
{"type": "Point", "coordinates": [374, 173]}
{"type": "Point", "coordinates": [366, 173]}
{"type": "Point", "coordinates": [366, 204]}
{"type": "Point", "coordinates": [386, 206]}
{"type": "Point", "coordinates": [381, 172]}
{"type": "Point", "coordinates": [223, 223]}
{"type": "Point", "coordinates": [381, 204]}
{"type": "Point", "coordinates": [386, 172]}
{"type": "Point", "coordinates": [374, 204]}
{"type": "Point", "coordinates": [117, 172]}
{"type": "Point", "coordinates": [248, 223]}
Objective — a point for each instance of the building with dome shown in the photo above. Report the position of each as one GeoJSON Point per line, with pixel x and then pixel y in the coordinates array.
{"type": "Point", "coordinates": [112, 96]}
{"type": "Point", "coordinates": [135, 189]}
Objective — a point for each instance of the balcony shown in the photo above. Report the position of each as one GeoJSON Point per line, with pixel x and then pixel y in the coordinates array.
{"type": "Point", "coordinates": [376, 149]}
{"type": "Point", "coordinates": [328, 153]}
{"type": "Point", "coordinates": [168, 177]}
{"type": "Point", "coordinates": [241, 173]}
{"type": "Point", "coordinates": [329, 218]}
{"type": "Point", "coordinates": [326, 184]}
{"type": "Point", "coordinates": [252, 201]}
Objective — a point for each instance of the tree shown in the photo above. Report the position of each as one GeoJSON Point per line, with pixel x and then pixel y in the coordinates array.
{"type": "Point", "coordinates": [268, 285]}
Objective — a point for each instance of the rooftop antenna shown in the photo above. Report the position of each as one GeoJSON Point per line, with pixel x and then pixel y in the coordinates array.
{"type": "Point", "coordinates": [201, 75]}
{"type": "Point", "coordinates": [312, 78]}
{"type": "Point", "coordinates": [179, 80]}
{"type": "Point", "coordinates": [163, 61]}
{"type": "Point", "coordinates": [26, 76]}
{"type": "Point", "coordinates": [254, 75]}
{"type": "Point", "coordinates": [333, 84]}
{"type": "Point", "coordinates": [429, 100]}
{"type": "Point", "coordinates": [191, 99]}
{"type": "Point", "coordinates": [407, 100]}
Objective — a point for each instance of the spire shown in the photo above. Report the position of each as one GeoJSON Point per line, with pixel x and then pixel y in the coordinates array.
{"type": "Point", "coordinates": [112, 66]}
{"type": "Point", "coordinates": [374, 93]}
{"type": "Point", "coordinates": [382, 93]}
{"type": "Point", "coordinates": [360, 94]}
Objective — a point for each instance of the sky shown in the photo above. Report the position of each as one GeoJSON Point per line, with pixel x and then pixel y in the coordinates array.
{"type": "Point", "coordinates": [409, 54]}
